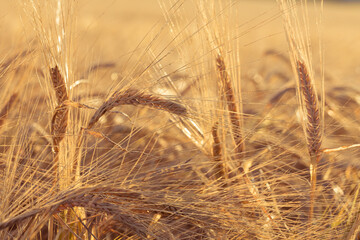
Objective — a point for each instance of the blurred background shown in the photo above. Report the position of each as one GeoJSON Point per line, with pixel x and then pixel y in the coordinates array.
{"type": "Point", "coordinates": [111, 28]}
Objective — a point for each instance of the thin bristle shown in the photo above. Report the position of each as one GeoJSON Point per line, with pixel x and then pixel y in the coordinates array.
{"type": "Point", "coordinates": [231, 104]}
{"type": "Point", "coordinates": [135, 97]}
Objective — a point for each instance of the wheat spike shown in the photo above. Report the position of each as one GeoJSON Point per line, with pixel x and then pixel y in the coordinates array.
{"type": "Point", "coordinates": [135, 97]}
{"type": "Point", "coordinates": [58, 84]}
{"type": "Point", "coordinates": [60, 117]}
{"type": "Point", "coordinates": [313, 125]}
{"type": "Point", "coordinates": [58, 125]}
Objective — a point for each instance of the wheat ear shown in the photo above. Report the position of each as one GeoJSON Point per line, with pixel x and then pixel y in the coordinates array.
{"type": "Point", "coordinates": [60, 117]}
{"type": "Point", "coordinates": [136, 97]}
{"type": "Point", "coordinates": [313, 126]}
{"type": "Point", "coordinates": [58, 125]}
{"type": "Point", "coordinates": [58, 84]}
{"type": "Point", "coordinates": [231, 104]}
{"type": "Point", "coordinates": [89, 197]}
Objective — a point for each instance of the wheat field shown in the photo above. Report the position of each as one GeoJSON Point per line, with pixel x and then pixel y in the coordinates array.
{"type": "Point", "coordinates": [179, 119]}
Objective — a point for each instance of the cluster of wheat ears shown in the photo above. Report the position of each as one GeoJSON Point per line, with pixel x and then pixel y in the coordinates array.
{"type": "Point", "coordinates": [178, 144]}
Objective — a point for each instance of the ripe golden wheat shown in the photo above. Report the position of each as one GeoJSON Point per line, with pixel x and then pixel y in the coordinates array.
{"type": "Point", "coordinates": [172, 140]}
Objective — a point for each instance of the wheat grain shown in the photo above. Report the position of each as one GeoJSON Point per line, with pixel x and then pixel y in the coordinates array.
{"type": "Point", "coordinates": [217, 152]}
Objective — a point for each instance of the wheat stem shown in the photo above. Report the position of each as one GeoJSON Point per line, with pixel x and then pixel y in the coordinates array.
{"type": "Point", "coordinates": [313, 127]}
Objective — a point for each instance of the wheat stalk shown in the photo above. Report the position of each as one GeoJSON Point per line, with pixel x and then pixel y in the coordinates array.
{"type": "Point", "coordinates": [297, 31]}
{"type": "Point", "coordinates": [313, 126]}
{"type": "Point", "coordinates": [236, 129]}
{"type": "Point", "coordinates": [231, 104]}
